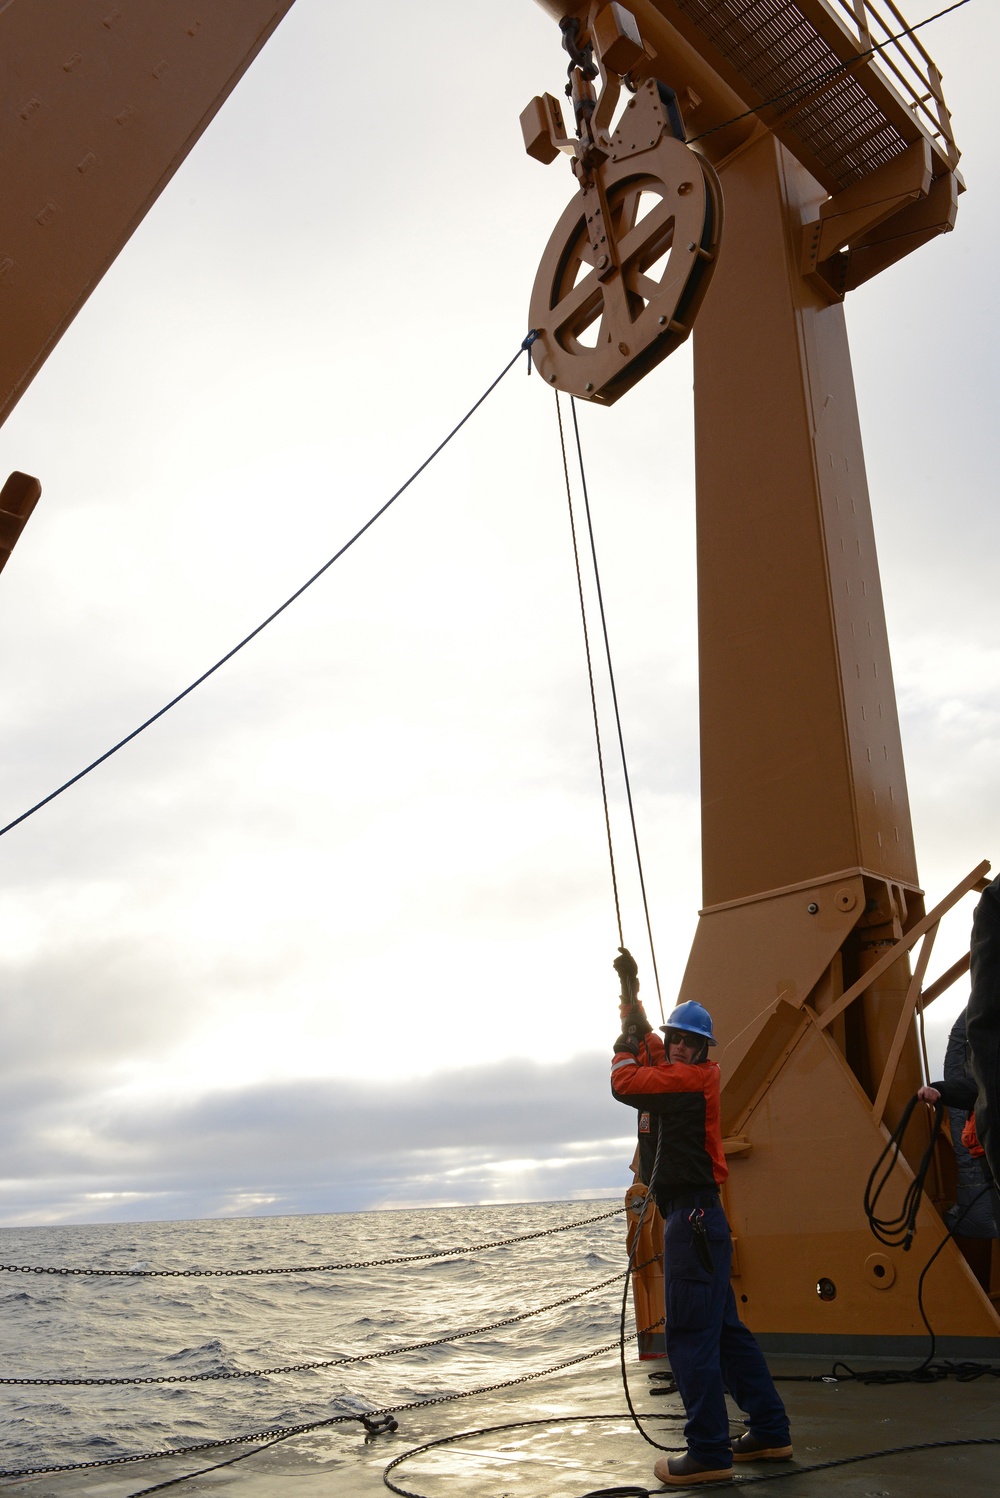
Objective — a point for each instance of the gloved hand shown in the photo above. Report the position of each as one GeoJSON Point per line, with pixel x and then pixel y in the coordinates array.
{"type": "Point", "coordinates": [625, 965]}
{"type": "Point", "coordinates": [634, 1021]}
{"type": "Point", "coordinates": [627, 1043]}
{"type": "Point", "coordinates": [628, 974]}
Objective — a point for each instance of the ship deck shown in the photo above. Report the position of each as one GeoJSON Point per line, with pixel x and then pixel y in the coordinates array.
{"type": "Point", "coordinates": [575, 1450]}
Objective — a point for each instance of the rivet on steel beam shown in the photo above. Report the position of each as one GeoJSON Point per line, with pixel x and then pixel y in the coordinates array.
{"type": "Point", "coordinates": [589, 385]}
{"type": "Point", "coordinates": [812, 907]}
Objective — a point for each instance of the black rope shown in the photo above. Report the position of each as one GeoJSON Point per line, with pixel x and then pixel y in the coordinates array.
{"type": "Point", "coordinates": [493, 1430]}
{"type": "Point", "coordinates": [923, 1275]}
{"type": "Point", "coordinates": [524, 349]}
{"type": "Point", "coordinates": [230, 1461]}
{"type": "Point", "coordinates": [828, 75]}
{"type": "Point", "coordinates": [590, 670]}
{"type": "Point", "coordinates": [898, 1231]}
{"type": "Point", "coordinates": [637, 1491]}
{"type": "Point", "coordinates": [614, 698]}
{"type": "Point", "coordinates": [636, 1419]}
{"type": "Point", "coordinates": [228, 1274]}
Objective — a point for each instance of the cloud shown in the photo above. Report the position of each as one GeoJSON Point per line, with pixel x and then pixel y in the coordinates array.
{"type": "Point", "coordinates": [513, 1130]}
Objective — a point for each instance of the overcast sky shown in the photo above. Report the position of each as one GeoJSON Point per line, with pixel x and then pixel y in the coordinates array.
{"type": "Point", "coordinates": [337, 932]}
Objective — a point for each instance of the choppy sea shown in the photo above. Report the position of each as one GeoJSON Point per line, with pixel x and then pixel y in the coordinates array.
{"type": "Point", "coordinates": [132, 1326]}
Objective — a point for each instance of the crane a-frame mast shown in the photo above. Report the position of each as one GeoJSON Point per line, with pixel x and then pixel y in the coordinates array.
{"type": "Point", "coordinates": [835, 157]}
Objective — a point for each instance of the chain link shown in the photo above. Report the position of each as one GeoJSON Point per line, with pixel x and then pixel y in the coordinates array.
{"type": "Point", "coordinates": [360, 1357]}
{"type": "Point", "coordinates": [281, 1432]}
{"type": "Point", "coordinates": [184, 1274]}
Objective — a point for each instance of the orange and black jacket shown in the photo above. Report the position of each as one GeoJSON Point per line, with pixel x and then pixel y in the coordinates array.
{"type": "Point", "coordinates": [681, 1100]}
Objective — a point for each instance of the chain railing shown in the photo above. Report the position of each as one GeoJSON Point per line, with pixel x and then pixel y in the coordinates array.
{"type": "Point", "coordinates": [229, 1274]}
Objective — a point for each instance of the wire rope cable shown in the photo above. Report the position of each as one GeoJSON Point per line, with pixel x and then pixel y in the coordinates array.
{"type": "Point", "coordinates": [525, 348]}
{"type": "Point", "coordinates": [614, 698]}
{"type": "Point", "coordinates": [590, 669]}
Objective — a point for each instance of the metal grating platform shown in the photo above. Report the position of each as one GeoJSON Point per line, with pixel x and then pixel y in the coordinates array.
{"type": "Point", "coordinates": [776, 49]}
{"type": "Point", "coordinates": [846, 124]}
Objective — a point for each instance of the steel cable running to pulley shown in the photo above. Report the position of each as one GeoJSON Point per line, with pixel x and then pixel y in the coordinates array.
{"type": "Point", "coordinates": [611, 678]}
{"type": "Point", "coordinates": [525, 348]}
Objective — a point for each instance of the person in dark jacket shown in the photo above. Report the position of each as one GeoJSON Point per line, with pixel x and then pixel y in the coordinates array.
{"type": "Point", "coordinates": [983, 1021]}
{"type": "Point", "coordinates": [972, 1215]}
{"type": "Point", "coordinates": [976, 1209]}
{"type": "Point", "coordinates": [708, 1347]}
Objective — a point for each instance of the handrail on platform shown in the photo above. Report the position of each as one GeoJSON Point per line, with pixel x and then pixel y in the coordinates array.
{"type": "Point", "coordinates": [919, 84]}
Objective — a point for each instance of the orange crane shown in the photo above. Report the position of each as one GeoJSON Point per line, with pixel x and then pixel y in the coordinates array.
{"type": "Point", "coordinates": [819, 129]}
{"type": "Point", "coordinates": [771, 156]}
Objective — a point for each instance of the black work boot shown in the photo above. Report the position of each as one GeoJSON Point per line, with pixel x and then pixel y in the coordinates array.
{"type": "Point", "coordinates": [751, 1448]}
{"type": "Point", "coordinates": [682, 1471]}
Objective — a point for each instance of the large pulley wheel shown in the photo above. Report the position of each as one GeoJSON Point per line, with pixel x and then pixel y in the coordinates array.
{"type": "Point", "coordinates": [629, 261]}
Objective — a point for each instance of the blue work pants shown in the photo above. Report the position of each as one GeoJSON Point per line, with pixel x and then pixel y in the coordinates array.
{"type": "Point", "coordinates": [709, 1349]}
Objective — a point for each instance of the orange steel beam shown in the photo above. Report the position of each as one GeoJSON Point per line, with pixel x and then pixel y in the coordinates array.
{"type": "Point", "coordinates": [811, 891]}
{"type": "Point", "coordinates": [941, 985]}
{"type": "Point", "coordinates": [923, 927]}
{"type": "Point", "coordinates": [103, 101]}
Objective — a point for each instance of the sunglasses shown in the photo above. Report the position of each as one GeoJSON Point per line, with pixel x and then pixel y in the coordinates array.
{"type": "Point", "coordinates": [682, 1037]}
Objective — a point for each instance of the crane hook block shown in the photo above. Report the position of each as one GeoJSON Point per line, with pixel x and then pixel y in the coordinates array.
{"type": "Point", "coordinates": [629, 261]}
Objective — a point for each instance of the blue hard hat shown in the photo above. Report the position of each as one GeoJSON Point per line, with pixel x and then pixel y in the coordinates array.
{"type": "Point", "coordinates": [694, 1018]}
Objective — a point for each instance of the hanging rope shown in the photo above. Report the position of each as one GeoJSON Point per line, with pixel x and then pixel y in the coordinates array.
{"type": "Point", "coordinates": [590, 669]}
{"type": "Point", "coordinates": [525, 348]}
{"type": "Point", "coordinates": [614, 698]}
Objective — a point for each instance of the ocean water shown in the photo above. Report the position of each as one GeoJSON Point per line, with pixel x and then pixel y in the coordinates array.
{"type": "Point", "coordinates": [56, 1326]}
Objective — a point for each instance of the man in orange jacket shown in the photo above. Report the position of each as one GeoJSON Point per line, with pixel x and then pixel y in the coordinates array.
{"type": "Point", "coordinates": [708, 1347]}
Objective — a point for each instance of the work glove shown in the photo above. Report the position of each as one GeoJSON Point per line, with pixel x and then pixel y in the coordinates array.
{"type": "Point", "coordinates": [627, 1043]}
{"type": "Point", "coordinates": [625, 965]}
{"type": "Point", "coordinates": [635, 1023]}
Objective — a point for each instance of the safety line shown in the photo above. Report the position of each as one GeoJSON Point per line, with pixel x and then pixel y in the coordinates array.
{"type": "Point", "coordinates": [829, 74]}
{"type": "Point", "coordinates": [637, 1490]}
{"type": "Point", "coordinates": [228, 1274]}
{"type": "Point", "coordinates": [230, 1461]}
{"type": "Point", "coordinates": [590, 669]}
{"type": "Point", "coordinates": [493, 1430]}
{"type": "Point", "coordinates": [614, 698]}
{"type": "Point", "coordinates": [525, 348]}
